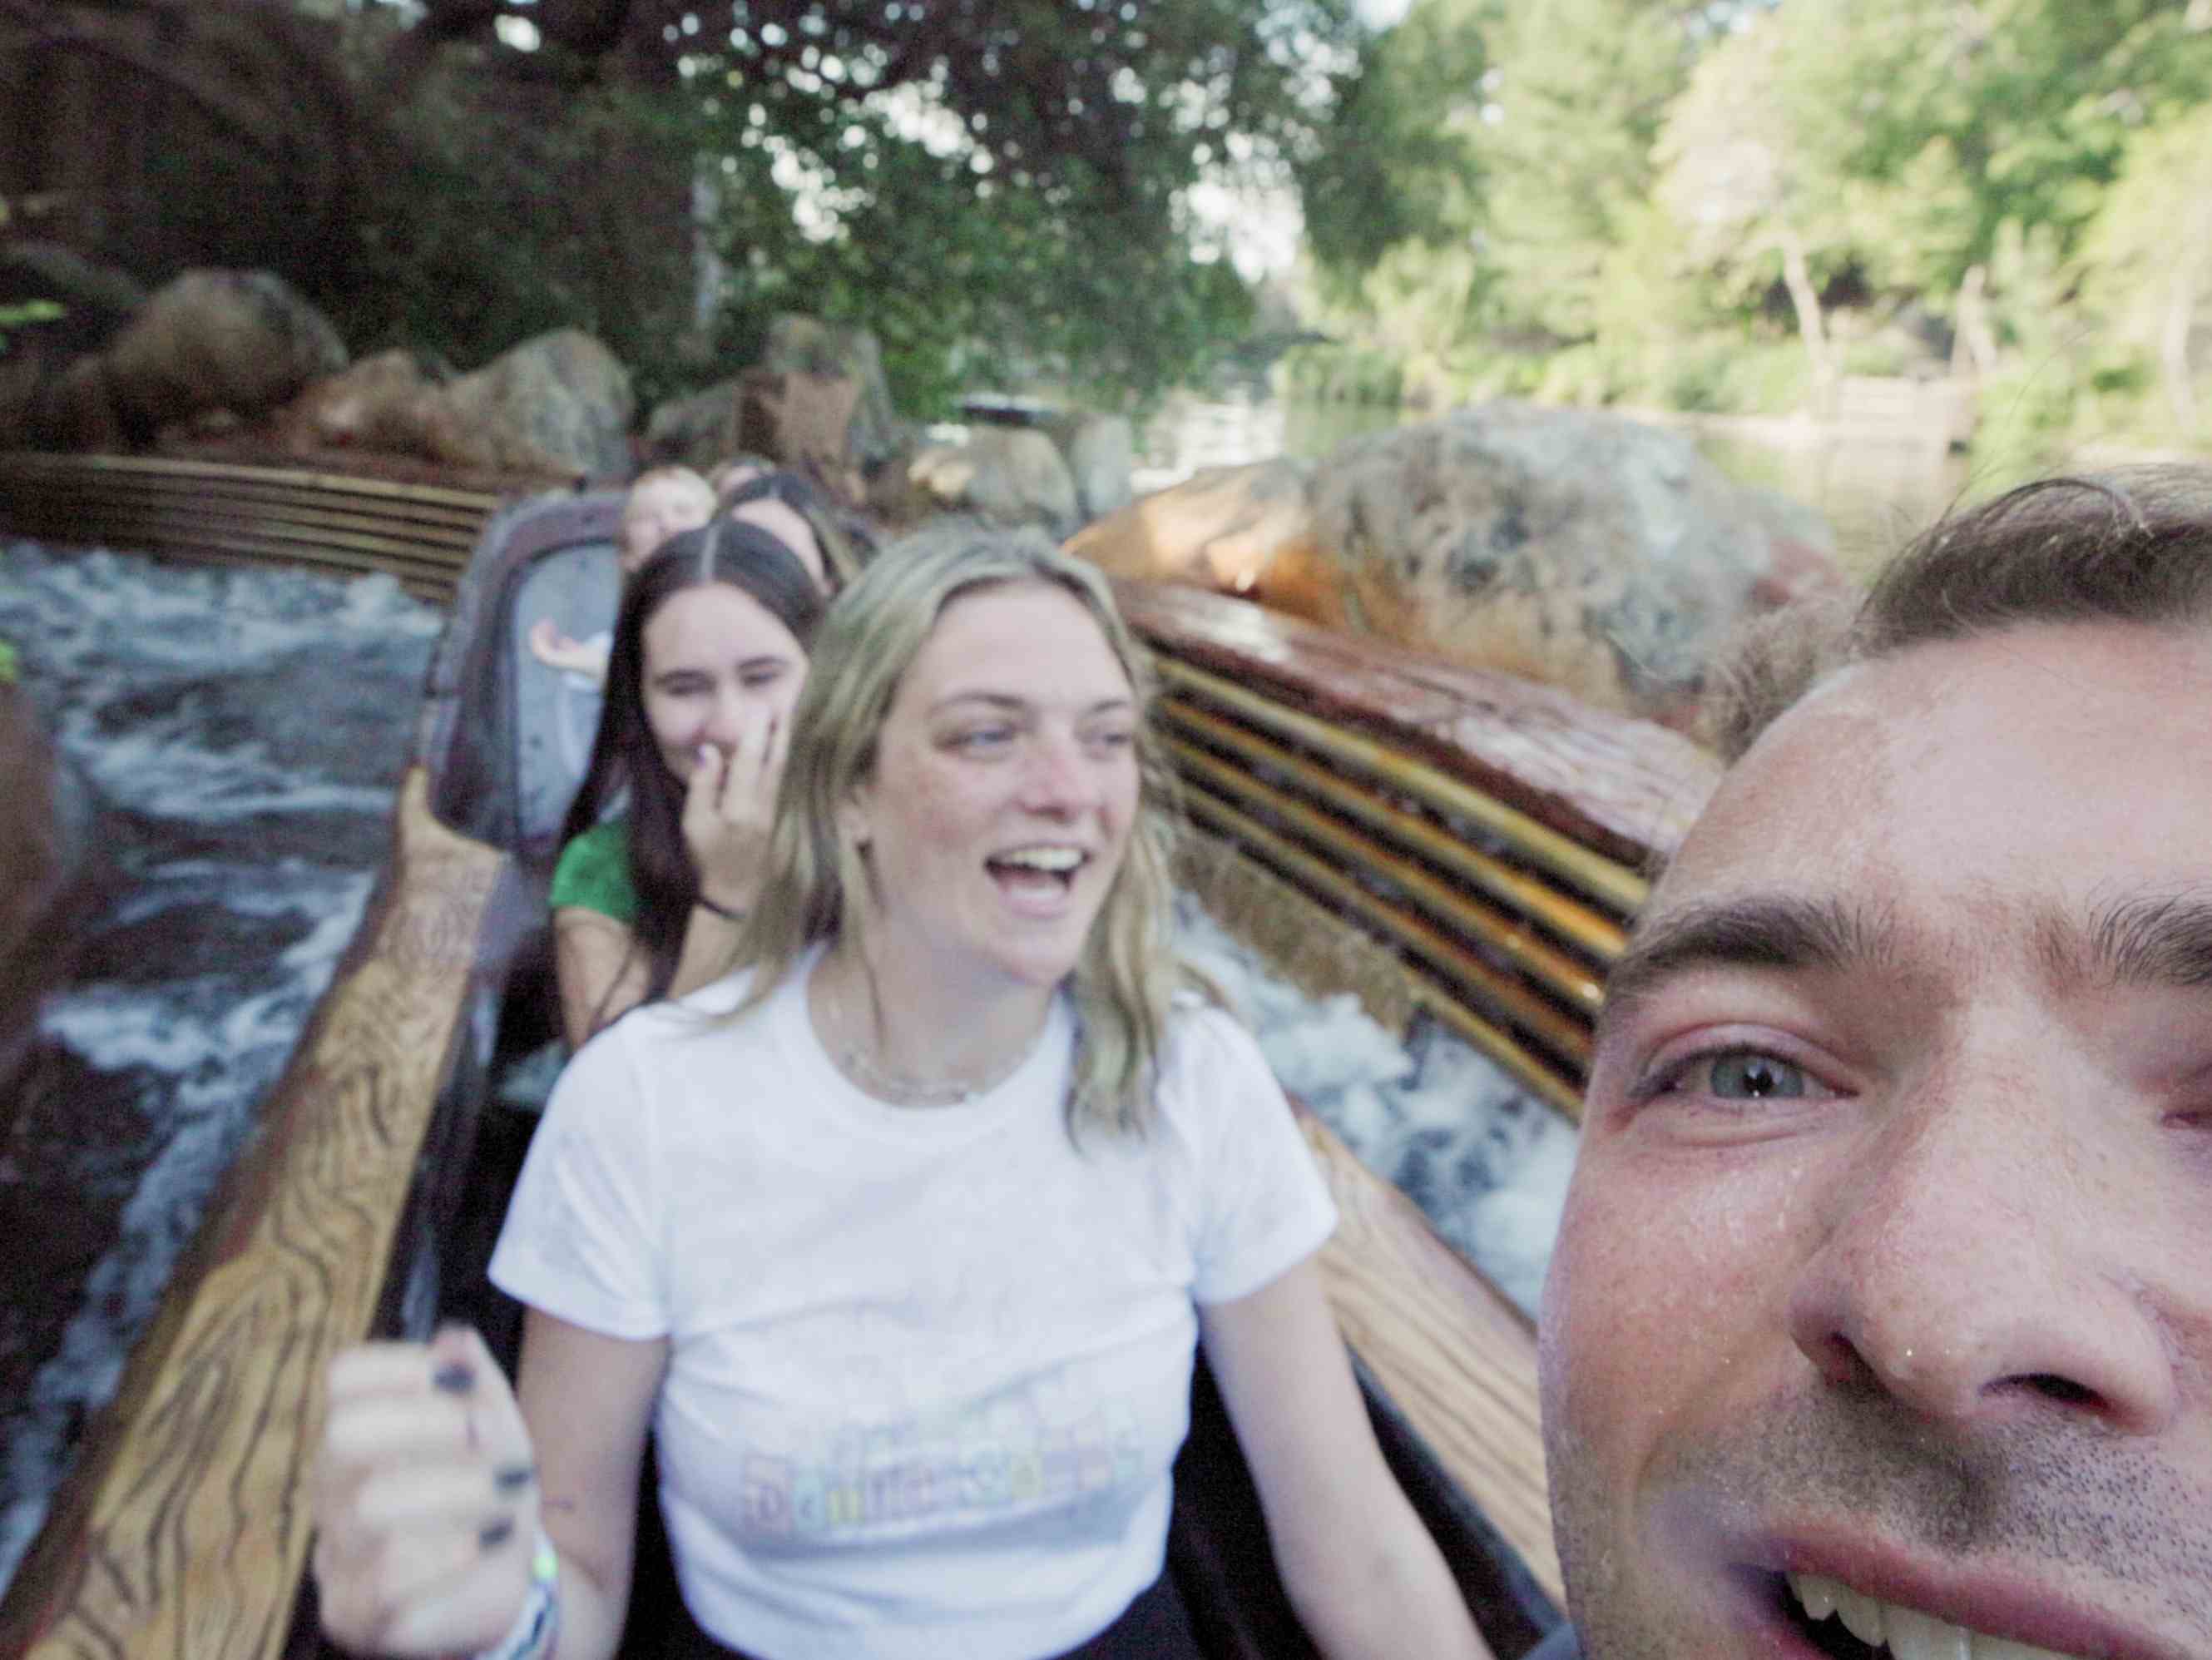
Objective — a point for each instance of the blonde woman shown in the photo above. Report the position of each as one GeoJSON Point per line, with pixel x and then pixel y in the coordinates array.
{"type": "Point", "coordinates": [900, 1238]}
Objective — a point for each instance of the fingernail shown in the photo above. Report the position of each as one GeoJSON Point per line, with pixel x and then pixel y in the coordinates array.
{"type": "Point", "coordinates": [495, 1533]}
{"type": "Point", "coordinates": [513, 1478]}
{"type": "Point", "coordinates": [454, 1377]}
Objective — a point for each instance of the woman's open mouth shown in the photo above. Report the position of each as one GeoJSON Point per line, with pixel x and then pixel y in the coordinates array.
{"type": "Point", "coordinates": [1043, 872]}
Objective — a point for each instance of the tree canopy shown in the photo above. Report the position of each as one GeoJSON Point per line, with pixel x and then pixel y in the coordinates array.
{"type": "Point", "coordinates": [981, 181]}
{"type": "Point", "coordinates": [1724, 205]}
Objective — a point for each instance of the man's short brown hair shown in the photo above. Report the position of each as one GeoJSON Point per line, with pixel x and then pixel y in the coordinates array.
{"type": "Point", "coordinates": [2131, 545]}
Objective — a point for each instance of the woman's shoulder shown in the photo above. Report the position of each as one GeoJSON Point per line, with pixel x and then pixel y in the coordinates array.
{"type": "Point", "coordinates": [592, 872]}
{"type": "Point", "coordinates": [1208, 1044]}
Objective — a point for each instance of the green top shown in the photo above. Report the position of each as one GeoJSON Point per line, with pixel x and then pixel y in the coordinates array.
{"type": "Point", "coordinates": [593, 874]}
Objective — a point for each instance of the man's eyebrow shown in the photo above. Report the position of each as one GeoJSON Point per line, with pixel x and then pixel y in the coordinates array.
{"type": "Point", "coordinates": [1781, 932]}
{"type": "Point", "coordinates": [2149, 940]}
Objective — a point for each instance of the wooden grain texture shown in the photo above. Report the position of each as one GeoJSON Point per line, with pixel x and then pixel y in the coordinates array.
{"type": "Point", "coordinates": [1509, 938]}
{"type": "Point", "coordinates": [1624, 787]}
{"type": "Point", "coordinates": [1302, 939]}
{"type": "Point", "coordinates": [1454, 1356]}
{"type": "Point", "coordinates": [1466, 1001]}
{"type": "Point", "coordinates": [188, 1534]}
{"type": "Point", "coordinates": [1587, 929]}
{"type": "Point", "coordinates": [340, 524]}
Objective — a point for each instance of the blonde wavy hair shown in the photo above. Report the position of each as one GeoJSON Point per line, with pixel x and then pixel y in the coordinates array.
{"type": "Point", "coordinates": [1127, 977]}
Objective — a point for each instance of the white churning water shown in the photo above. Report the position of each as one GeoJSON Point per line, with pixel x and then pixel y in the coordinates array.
{"type": "Point", "coordinates": [1485, 1162]}
{"type": "Point", "coordinates": [243, 732]}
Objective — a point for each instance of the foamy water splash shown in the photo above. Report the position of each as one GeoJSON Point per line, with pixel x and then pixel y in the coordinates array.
{"type": "Point", "coordinates": [243, 732]}
{"type": "Point", "coordinates": [1487, 1164]}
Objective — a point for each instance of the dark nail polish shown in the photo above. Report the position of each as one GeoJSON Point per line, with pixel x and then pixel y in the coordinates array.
{"type": "Point", "coordinates": [454, 1377]}
{"type": "Point", "coordinates": [493, 1535]}
{"type": "Point", "coordinates": [513, 1478]}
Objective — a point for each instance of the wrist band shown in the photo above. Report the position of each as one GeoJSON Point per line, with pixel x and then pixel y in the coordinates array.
{"type": "Point", "coordinates": [539, 1621]}
{"type": "Point", "coordinates": [722, 911]}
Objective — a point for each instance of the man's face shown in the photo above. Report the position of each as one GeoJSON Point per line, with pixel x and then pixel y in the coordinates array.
{"type": "Point", "coordinates": [1888, 1257]}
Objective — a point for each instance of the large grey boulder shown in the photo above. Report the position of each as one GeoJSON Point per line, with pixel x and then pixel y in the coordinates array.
{"type": "Point", "coordinates": [807, 345]}
{"type": "Point", "coordinates": [696, 430]}
{"type": "Point", "coordinates": [1576, 548]}
{"type": "Point", "coordinates": [560, 402]}
{"type": "Point", "coordinates": [1101, 453]}
{"type": "Point", "coordinates": [1008, 475]}
{"type": "Point", "coordinates": [241, 341]}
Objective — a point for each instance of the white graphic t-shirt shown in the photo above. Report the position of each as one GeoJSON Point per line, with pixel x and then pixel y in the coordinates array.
{"type": "Point", "coordinates": [929, 1366]}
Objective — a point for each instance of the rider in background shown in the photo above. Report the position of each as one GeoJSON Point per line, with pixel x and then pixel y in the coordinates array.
{"type": "Point", "coordinates": [709, 652]}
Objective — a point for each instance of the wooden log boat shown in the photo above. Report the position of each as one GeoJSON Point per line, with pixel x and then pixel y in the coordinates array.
{"type": "Point", "coordinates": [1446, 843]}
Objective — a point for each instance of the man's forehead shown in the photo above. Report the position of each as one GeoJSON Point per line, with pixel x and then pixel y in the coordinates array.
{"type": "Point", "coordinates": [2022, 785]}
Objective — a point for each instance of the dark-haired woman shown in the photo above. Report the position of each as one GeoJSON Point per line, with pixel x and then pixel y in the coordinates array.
{"type": "Point", "coordinates": [708, 654]}
{"type": "Point", "coordinates": [789, 505]}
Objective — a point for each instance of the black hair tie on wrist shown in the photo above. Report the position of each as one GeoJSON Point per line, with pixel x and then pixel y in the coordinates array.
{"type": "Point", "coordinates": [722, 911]}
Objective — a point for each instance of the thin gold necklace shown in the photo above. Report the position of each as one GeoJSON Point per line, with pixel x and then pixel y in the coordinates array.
{"type": "Point", "coordinates": [902, 1090]}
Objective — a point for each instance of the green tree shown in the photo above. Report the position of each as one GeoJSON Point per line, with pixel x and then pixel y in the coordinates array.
{"type": "Point", "coordinates": [1582, 88]}
{"type": "Point", "coordinates": [2148, 262]}
{"type": "Point", "coordinates": [970, 179]}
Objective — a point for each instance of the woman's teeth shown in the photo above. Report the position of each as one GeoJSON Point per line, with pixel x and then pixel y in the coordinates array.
{"type": "Point", "coordinates": [1908, 1634]}
{"type": "Point", "coordinates": [1058, 862]}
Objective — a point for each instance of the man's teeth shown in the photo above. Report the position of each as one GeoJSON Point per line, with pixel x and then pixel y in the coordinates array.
{"type": "Point", "coordinates": [1057, 859]}
{"type": "Point", "coordinates": [1910, 1634]}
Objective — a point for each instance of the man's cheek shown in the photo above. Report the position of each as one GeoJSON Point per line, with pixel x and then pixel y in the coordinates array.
{"type": "Point", "coordinates": [1661, 1287]}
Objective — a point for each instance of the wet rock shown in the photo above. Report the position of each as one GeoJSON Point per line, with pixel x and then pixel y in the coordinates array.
{"type": "Point", "coordinates": [695, 431]}
{"type": "Point", "coordinates": [560, 402]}
{"type": "Point", "coordinates": [241, 341]}
{"type": "Point", "coordinates": [1100, 451]}
{"type": "Point", "coordinates": [803, 422]}
{"type": "Point", "coordinates": [1580, 549]}
{"type": "Point", "coordinates": [1246, 531]}
{"type": "Point", "coordinates": [804, 346]}
{"type": "Point", "coordinates": [1008, 475]}
{"type": "Point", "coordinates": [384, 403]}
{"type": "Point", "coordinates": [73, 409]}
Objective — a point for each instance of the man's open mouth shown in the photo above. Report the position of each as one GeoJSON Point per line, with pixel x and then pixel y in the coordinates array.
{"type": "Point", "coordinates": [1849, 1624]}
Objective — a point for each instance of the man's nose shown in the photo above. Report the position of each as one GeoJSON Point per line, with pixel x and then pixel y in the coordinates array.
{"type": "Point", "coordinates": [1973, 1268]}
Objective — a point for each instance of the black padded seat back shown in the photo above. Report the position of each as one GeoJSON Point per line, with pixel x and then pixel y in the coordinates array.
{"type": "Point", "coordinates": [556, 712]}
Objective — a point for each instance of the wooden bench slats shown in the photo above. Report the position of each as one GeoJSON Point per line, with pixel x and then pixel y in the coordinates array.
{"type": "Point", "coordinates": [1621, 788]}
{"type": "Point", "coordinates": [400, 493]}
{"type": "Point", "coordinates": [1548, 1077]}
{"type": "Point", "coordinates": [1579, 925]}
{"type": "Point", "coordinates": [223, 503]}
{"type": "Point", "coordinates": [1511, 997]}
{"type": "Point", "coordinates": [1605, 879]}
{"type": "Point", "coordinates": [280, 537]}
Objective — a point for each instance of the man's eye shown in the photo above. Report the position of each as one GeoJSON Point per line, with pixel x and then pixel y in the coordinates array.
{"type": "Point", "coordinates": [1745, 1076]}
{"type": "Point", "coordinates": [983, 738]}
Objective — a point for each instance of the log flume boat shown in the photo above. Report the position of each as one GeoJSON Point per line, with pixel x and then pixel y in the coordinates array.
{"type": "Point", "coordinates": [1448, 844]}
